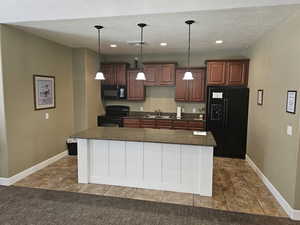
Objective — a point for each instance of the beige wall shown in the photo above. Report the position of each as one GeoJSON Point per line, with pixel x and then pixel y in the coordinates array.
{"type": "Point", "coordinates": [32, 139]}
{"type": "Point", "coordinates": [87, 101]}
{"type": "Point", "coordinates": [274, 67]}
{"type": "Point", "coordinates": [3, 139]}
{"type": "Point", "coordinates": [163, 98]}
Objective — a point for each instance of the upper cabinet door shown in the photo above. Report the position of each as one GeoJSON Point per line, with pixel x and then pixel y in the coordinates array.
{"type": "Point", "coordinates": [135, 88]}
{"type": "Point", "coordinates": [109, 74]}
{"type": "Point", "coordinates": [216, 73]}
{"type": "Point", "coordinates": [167, 75]}
{"type": "Point", "coordinates": [120, 70]}
{"type": "Point", "coordinates": [237, 73]}
{"type": "Point", "coordinates": [152, 72]}
{"type": "Point", "coordinates": [181, 91]}
{"type": "Point", "coordinates": [197, 86]}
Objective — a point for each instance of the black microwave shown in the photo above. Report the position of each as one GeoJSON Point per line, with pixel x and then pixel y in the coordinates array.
{"type": "Point", "coordinates": [113, 92]}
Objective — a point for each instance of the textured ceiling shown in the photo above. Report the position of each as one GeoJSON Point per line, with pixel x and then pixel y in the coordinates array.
{"type": "Point", "coordinates": [38, 10]}
{"type": "Point", "coordinates": [239, 28]}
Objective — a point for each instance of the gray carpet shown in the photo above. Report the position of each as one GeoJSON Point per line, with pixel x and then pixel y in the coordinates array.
{"type": "Point", "coordinates": [26, 206]}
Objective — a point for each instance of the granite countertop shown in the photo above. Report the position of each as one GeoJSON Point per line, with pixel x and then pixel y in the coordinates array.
{"type": "Point", "coordinates": [147, 135]}
{"type": "Point", "coordinates": [185, 116]}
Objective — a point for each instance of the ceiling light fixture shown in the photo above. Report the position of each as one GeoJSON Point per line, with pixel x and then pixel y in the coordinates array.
{"type": "Point", "coordinates": [219, 41]}
{"type": "Point", "coordinates": [141, 75]}
{"type": "Point", "coordinates": [113, 45]}
{"type": "Point", "coordinates": [163, 44]}
{"type": "Point", "coordinates": [99, 74]}
{"type": "Point", "coordinates": [188, 74]}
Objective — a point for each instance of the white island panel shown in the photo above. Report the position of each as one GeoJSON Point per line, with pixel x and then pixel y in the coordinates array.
{"type": "Point", "coordinates": [172, 167]}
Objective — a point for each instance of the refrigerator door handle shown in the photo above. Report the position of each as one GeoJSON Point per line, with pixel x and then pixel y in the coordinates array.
{"type": "Point", "coordinates": [226, 112]}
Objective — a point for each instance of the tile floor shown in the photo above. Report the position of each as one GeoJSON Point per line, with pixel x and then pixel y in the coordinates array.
{"type": "Point", "coordinates": [236, 187]}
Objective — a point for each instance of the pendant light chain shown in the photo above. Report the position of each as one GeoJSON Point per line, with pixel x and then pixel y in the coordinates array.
{"type": "Point", "coordinates": [99, 44]}
{"type": "Point", "coordinates": [189, 48]}
{"type": "Point", "coordinates": [141, 49]}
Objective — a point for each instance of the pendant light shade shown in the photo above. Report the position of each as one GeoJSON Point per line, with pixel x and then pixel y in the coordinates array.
{"type": "Point", "coordinates": [188, 74]}
{"type": "Point", "coordinates": [99, 74]}
{"type": "Point", "coordinates": [141, 75]}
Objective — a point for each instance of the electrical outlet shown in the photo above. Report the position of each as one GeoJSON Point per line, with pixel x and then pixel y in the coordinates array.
{"type": "Point", "coordinates": [289, 130]}
{"type": "Point", "coordinates": [194, 110]}
{"type": "Point", "coordinates": [46, 116]}
{"type": "Point", "coordinates": [182, 109]}
{"type": "Point", "coordinates": [141, 108]}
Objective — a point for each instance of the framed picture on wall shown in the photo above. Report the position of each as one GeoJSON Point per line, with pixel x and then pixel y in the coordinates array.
{"type": "Point", "coordinates": [44, 92]}
{"type": "Point", "coordinates": [260, 97]}
{"type": "Point", "coordinates": [291, 101]}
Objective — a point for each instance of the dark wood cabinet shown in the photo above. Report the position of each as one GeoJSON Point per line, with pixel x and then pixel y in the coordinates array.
{"type": "Point", "coordinates": [115, 73]}
{"type": "Point", "coordinates": [180, 125]}
{"type": "Point", "coordinates": [196, 125]}
{"type": "Point", "coordinates": [135, 88]}
{"type": "Point", "coordinates": [109, 74]}
{"type": "Point", "coordinates": [158, 74]}
{"type": "Point", "coordinates": [167, 76]}
{"type": "Point", "coordinates": [147, 123]}
{"type": "Point", "coordinates": [164, 124]}
{"type": "Point", "coordinates": [192, 90]}
{"type": "Point", "coordinates": [197, 86]}
{"type": "Point", "coordinates": [216, 73]}
{"type": "Point", "coordinates": [152, 73]}
{"type": "Point", "coordinates": [227, 72]}
{"type": "Point", "coordinates": [181, 90]}
{"type": "Point", "coordinates": [131, 123]}
{"type": "Point", "coordinates": [237, 73]}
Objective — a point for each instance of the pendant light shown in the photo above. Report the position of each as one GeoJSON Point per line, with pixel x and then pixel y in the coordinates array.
{"type": "Point", "coordinates": [141, 74]}
{"type": "Point", "coordinates": [188, 74]}
{"type": "Point", "coordinates": [99, 74]}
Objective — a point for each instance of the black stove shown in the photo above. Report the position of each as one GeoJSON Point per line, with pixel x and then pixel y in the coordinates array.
{"type": "Point", "coordinates": [113, 116]}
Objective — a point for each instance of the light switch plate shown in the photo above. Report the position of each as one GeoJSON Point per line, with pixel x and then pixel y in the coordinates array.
{"type": "Point", "coordinates": [289, 130]}
{"type": "Point", "coordinates": [46, 116]}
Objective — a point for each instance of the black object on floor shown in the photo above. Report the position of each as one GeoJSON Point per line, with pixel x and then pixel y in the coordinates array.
{"type": "Point", "coordinates": [24, 206]}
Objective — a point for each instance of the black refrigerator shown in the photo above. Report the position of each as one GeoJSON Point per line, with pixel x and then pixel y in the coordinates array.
{"type": "Point", "coordinates": [227, 118]}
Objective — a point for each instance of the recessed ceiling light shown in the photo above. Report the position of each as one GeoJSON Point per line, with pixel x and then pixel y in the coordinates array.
{"type": "Point", "coordinates": [219, 42]}
{"type": "Point", "coordinates": [113, 45]}
{"type": "Point", "coordinates": [163, 44]}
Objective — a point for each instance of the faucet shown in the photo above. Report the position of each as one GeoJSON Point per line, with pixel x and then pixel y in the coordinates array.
{"type": "Point", "coordinates": [158, 112]}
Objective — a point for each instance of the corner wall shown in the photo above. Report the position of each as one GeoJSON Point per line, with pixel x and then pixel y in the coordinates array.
{"type": "Point", "coordinates": [87, 98]}
{"type": "Point", "coordinates": [30, 137]}
{"type": "Point", "coordinates": [3, 139]}
{"type": "Point", "coordinates": [274, 67]}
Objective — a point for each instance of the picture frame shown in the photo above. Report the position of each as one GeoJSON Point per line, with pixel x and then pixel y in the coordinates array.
{"type": "Point", "coordinates": [44, 92]}
{"type": "Point", "coordinates": [291, 101]}
{"type": "Point", "coordinates": [260, 97]}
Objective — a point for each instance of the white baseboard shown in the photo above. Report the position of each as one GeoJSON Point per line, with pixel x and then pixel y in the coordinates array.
{"type": "Point", "coordinates": [33, 169]}
{"type": "Point", "coordinates": [292, 213]}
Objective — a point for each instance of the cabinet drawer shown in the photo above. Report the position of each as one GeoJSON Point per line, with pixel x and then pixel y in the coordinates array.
{"type": "Point", "coordinates": [196, 125]}
{"type": "Point", "coordinates": [164, 124]}
{"type": "Point", "coordinates": [180, 125]}
{"type": "Point", "coordinates": [133, 123]}
{"type": "Point", "coordinates": [147, 123]}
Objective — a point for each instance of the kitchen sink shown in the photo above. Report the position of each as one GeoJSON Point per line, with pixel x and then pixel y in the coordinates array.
{"type": "Point", "coordinates": [157, 117]}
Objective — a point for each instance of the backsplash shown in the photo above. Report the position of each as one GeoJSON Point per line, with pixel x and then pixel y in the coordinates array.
{"type": "Point", "coordinates": [162, 98]}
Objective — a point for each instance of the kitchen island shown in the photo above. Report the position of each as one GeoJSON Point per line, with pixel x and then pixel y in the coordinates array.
{"type": "Point", "coordinates": [173, 160]}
